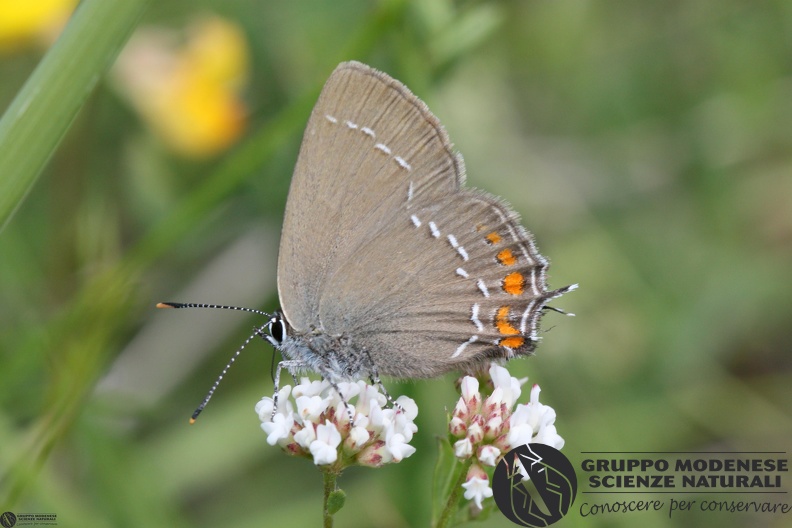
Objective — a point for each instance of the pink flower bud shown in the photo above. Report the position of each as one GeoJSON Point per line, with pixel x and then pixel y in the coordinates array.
{"type": "Point", "coordinates": [374, 455]}
{"type": "Point", "coordinates": [463, 448]}
{"type": "Point", "coordinates": [475, 432]}
{"type": "Point", "coordinates": [493, 428]}
{"type": "Point", "coordinates": [488, 455]}
{"type": "Point", "coordinates": [457, 427]}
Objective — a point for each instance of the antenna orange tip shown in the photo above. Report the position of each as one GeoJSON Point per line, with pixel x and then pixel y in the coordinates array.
{"type": "Point", "coordinates": [192, 421]}
{"type": "Point", "coordinates": [164, 305]}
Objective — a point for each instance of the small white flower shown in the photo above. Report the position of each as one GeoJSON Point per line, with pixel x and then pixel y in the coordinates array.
{"type": "Point", "coordinates": [358, 436]}
{"type": "Point", "coordinates": [306, 387]}
{"type": "Point", "coordinates": [469, 388]}
{"type": "Point", "coordinates": [349, 390]}
{"type": "Point", "coordinates": [397, 446]}
{"type": "Point", "coordinates": [496, 398]}
{"type": "Point", "coordinates": [408, 406]}
{"type": "Point", "coordinates": [324, 447]}
{"type": "Point", "coordinates": [380, 419]}
{"type": "Point", "coordinates": [403, 425]}
{"type": "Point", "coordinates": [310, 407]}
{"type": "Point", "coordinates": [361, 420]}
{"type": "Point", "coordinates": [266, 404]}
{"type": "Point", "coordinates": [519, 435]}
{"type": "Point", "coordinates": [509, 385]}
{"type": "Point", "coordinates": [305, 436]}
{"type": "Point", "coordinates": [477, 489]}
{"type": "Point", "coordinates": [369, 393]}
{"type": "Point", "coordinates": [463, 448]}
{"type": "Point", "coordinates": [523, 414]}
{"type": "Point", "coordinates": [488, 455]}
{"type": "Point", "coordinates": [548, 435]}
{"type": "Point", "coordinates": [279, 428]}
{"type": "Point", "coordinates": [540, 413]}
{"type": "Point", "coordinates": [264, 408]}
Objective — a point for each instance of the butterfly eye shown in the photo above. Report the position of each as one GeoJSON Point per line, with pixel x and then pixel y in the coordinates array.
{"type": "Point", "coordinates": [277, 330]}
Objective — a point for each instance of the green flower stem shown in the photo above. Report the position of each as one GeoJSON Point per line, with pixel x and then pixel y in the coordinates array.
{"type": "Point", "coordinates": [453, 499]}
{"type": "Point", "coordinates": [40, 115]}
{"type": "Point", "coordinates": [330, 478]}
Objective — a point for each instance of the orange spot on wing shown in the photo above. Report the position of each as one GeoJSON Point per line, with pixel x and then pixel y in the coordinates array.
{"type": "Point", "coordinates": [506, 258]}
{"type": "Point", "coordinates": [514, 283]}
{"type": "Point", "coordinates": [512, 342]}
{"type": "Point", "coordinates": [502, 322]}
{"type": "Point", "coordinates": [494, 238]}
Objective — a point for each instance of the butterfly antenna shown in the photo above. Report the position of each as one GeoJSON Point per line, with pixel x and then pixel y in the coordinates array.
{"type": "Point", "coordinates": [220, 377]}
{"type": "Point", "coordinates": [233, 358]}
{"type": "Point", "coordinates": [217, 306]}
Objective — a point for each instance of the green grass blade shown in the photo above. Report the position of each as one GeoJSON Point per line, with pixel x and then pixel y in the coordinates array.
{"type": "Point", "coordinates": [42, 111]}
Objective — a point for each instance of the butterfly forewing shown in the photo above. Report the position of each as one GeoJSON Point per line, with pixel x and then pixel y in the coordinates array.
{"type": "Point", "coordinates": [366, 136]}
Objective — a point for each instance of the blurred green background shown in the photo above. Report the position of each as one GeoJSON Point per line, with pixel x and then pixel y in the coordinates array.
{"type": "Point", "coordinates": [648, 146]}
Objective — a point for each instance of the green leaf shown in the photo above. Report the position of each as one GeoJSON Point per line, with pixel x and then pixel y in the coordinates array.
{"type": "Point", "coordinates": [446, 473]}
{"type": "Point", "coordinates": [335, 501]}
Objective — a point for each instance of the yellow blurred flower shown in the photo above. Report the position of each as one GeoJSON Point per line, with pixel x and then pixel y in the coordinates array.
{"type": "Point", "coordinates": [26, 22]}
{"type": "Point", "coordinates": [188, 92]}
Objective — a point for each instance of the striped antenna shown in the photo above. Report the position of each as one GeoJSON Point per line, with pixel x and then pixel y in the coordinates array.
{"type": "Point", "coordinates": [220, 377]}
{"type": "Point", "coordinates": [204, 305]}
{"type": "Point", "coordinates": [256, 333]}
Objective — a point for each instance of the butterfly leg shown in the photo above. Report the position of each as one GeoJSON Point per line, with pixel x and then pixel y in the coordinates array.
{"type": "Point", "coordinates": [292, 366]}
{"type": "Point", "coordinates": [374, 378]}
{"type": "Point", "coordinates": [343, 399]}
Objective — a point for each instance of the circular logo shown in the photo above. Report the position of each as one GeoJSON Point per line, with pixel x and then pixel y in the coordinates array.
{"type": "Point", "coordinates": [534, 485]}
{"type": "Point", "coordinates": [7, 519]}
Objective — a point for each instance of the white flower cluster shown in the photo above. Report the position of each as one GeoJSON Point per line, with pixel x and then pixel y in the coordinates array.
{"type": "Point", "coordinates": [488, 428]}
{"type": "Point", "coordinates": [312, 421]}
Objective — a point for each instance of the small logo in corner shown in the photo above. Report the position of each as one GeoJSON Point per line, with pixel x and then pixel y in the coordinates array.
{"type": "Point", "coordinates": [7, 519]}
{"type": "Point", "coordinates": [534, 485]}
